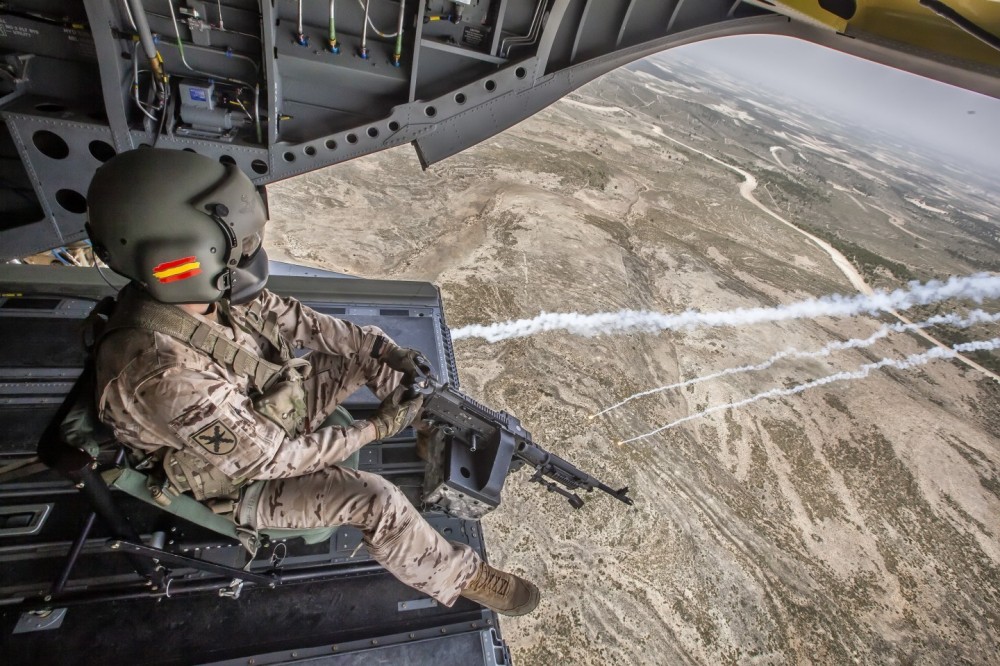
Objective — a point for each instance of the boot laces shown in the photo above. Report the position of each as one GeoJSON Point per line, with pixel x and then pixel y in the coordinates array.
{"type": "Point", "coordinates": [494, 582]}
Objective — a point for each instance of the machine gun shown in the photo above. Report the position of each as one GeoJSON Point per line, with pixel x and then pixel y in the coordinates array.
{"type": "Point", "coordinates": [471, 449]}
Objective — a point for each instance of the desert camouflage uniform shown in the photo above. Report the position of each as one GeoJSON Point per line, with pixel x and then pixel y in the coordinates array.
{"type": "Point", "coordinates": [162, 393]}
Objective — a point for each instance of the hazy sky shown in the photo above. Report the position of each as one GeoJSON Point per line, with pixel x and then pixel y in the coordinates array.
{"type": "Point", "coordinates": [910, 106]}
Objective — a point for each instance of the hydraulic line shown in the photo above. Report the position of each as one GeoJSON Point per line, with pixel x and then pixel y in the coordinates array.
{"type": "Point", "coordinates": [180, 48]}
{"type": "Point", "coordinates": [397, 55]}
{"type": "Point", "coordinates": [300, 36]}
{"type": "Point", "coordinates": [138, 14]}
{"type": "Point", "coordinates": [163, 116]}
{"type": "Point", "coordinates": [135, 86]}
{"type": "Point", "coordinates": [240, 105]}
{"type": "Point", "coordinates": [128, 12]}
{"type": "Point", "coordinates": [536, 27]}
{"type": "Point", "coordinates": [233, 32]}
{"type": "Point", "coordinates": [228, 53]}
{"type": "Point", "coordinates": [385, 35]}
{"type": "Point", "coordinates": [334, 47]}
{"type": "Point", "coordinates": [214, 28]}
{"type": "Point", "coordinates": [364, 34]}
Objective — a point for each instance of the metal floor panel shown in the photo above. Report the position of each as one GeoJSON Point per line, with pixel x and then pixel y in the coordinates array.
{"type": "Point", "coordinates": [470, 647]}
{"type": "Point", "coordinates": [207, 628]}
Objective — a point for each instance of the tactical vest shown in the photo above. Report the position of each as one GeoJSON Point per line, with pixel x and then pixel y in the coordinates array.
{"type": "Point", "coordinates": [277, 390]}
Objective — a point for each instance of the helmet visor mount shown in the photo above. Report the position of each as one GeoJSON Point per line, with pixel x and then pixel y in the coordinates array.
{"type": "Point", "coordinates": [242, 282]}
{"type": "Point", "coordinates": [238, 211]}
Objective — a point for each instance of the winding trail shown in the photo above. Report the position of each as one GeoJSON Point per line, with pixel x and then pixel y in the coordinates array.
{"type": "Point", "coordinates": [774, 154]}
{"type": "Point", "coordinates": [848, 194]}
{"type": "Point", "coordinates": [898, 223]}
{"type": "Point", "coordinates": [747, 187]}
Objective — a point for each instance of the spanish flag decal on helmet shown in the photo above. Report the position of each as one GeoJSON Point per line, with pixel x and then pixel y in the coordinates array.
{"type": "Point", "coordinates": [179, 269]}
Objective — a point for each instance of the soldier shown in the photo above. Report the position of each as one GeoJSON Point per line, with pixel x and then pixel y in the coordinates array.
{"type": "Point", "coordinates": [196, 366]}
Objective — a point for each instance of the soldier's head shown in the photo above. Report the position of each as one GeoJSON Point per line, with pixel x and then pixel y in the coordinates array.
{"type": "Point", "coordinates": [184, 227]}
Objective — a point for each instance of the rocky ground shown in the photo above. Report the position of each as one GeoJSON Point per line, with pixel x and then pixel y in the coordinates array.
{"type": "Point", "coordinates": [853, 523]}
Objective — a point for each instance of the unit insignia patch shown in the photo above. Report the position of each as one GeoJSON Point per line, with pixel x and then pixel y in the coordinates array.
{"type": "Point", "coordinates": [216, 438]}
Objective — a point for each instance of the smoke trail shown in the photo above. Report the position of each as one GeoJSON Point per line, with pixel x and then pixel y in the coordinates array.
{"type": "Point", "coordinates": [974, 287]}
{"type": "Point", "coordinates": [975, 317]}
{"type": "Point", "coordinates": [909, 362]}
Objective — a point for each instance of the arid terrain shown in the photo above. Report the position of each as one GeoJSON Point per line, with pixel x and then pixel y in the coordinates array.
{"type": "Point", "coordinates": [857, 522]}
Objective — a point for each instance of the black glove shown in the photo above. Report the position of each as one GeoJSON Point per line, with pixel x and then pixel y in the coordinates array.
{"type": "Point", "coordinates": [408, 361]}
{"type": "Point", "coordinates": [395, 413]}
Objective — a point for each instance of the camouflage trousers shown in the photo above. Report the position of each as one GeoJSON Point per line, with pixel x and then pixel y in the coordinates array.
{"type": "Point", "coordinates": [396, 535]}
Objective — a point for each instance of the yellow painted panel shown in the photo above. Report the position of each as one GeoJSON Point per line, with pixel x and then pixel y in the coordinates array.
{"type": "Point", "coordinates": [908, 22]}
{"type": "Point", "coordinates": [811, 10]}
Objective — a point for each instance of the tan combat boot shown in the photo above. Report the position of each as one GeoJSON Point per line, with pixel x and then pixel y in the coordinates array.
{"type": "Point", "coordinates": [502, 592]}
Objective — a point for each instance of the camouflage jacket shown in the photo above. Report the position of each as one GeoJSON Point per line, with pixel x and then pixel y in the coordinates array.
{"type": "Point", "coordinates": [155, 391]}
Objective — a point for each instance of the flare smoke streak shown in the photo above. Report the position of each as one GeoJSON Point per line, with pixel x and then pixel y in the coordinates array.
{"type": "Point", "coordinates": [974, 287]}
{"type": "Point", "coordinates": [911, 361]}
{"type": "Point", "coordinates": [974, 317]}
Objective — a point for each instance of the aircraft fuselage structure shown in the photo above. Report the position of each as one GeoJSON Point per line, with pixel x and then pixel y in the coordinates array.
{"type": "Point", "coordinates": [284, 87]}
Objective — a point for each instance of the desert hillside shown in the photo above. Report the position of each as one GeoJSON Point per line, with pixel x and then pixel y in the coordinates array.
{"type": "Point", "coordinates": [856, 522]}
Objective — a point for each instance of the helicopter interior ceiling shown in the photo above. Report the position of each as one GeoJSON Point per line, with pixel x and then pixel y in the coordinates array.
{"type": "Point", "coordinates": [283, 87]}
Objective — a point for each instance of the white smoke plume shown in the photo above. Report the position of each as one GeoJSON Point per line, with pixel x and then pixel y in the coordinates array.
{"type": "Point", "coordinates": [974, 287]}
{"type": "Point", "coordinates": [911, 361]}
{"type": "Point", "coordinates": [974, 317]}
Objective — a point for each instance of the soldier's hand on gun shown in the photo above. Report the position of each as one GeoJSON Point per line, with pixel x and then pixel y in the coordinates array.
{"type": "Point", "coordinates": [408, 361]}
{"type": "Point", "coordinates": [397, 411]}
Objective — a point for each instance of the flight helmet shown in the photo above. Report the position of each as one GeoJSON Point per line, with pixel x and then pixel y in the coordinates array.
{"type": "Point", "coordinates": [184, 227]}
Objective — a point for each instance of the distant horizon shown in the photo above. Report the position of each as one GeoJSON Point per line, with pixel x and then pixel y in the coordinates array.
{"type": "Point", "coordinates": [937, 116]}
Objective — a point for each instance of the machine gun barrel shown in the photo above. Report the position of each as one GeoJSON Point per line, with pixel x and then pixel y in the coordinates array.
{"type": "Point", "coordinates": [564, 473]}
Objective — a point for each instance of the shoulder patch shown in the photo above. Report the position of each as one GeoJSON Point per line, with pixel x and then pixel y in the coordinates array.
{"type": "Point", "coordinates": [216, 438]}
